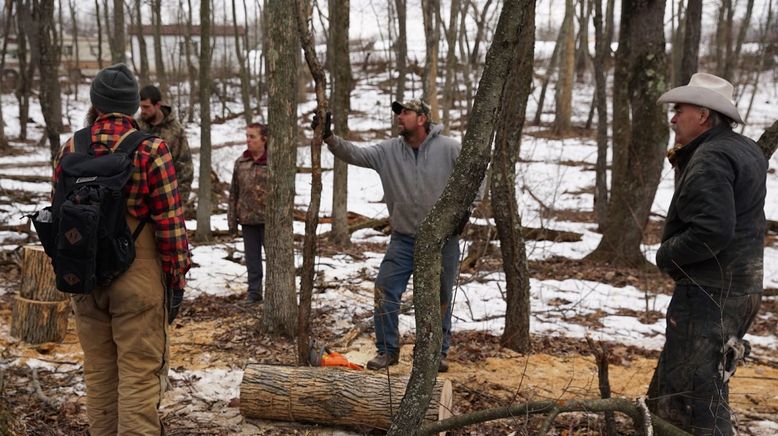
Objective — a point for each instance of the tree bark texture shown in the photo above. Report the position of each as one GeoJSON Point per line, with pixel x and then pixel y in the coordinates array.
{"type": "Point", "coordinates": [159, 60]}
{"type": "Point", "coordinates": [768, 142]}
{"type": "Point", "coordinates": [99, 23]}
{"type": "Point", "coordinates": [442, 221]}
{"type": "Point", "coordinates": [503, 186]}
{"type": "Point", "coordinates": [563, 95]}
{"type": "Point", "coordinates": [691, 42]}
{"type": "Point", "coordinates": [640, 166]}
{"type": "Point", "coordinates": [451, 64]}
{"type": "Point", "coordinates": [430, 10]}
{"type": "Point", "coordinates": [245, 81]}
{"type": "Point", "coordinates": [280, 314]}
{"type": "Point", "coordinates": [40, 311]}
{"type": "Point", "coordinates": [402, 54]}
{"type": "Point", "coordinates": [204, 195]}
{"type": "Point", "coordinates": [342, 83]}
{"type": "Point", "coordinates": [48, 66]}
{"type": "Point", "coordinates": [119, 40]}
{"type": "Point", "coordinates": [7, 20]}
{"type": "Point", "coordinates": [332, 396]}
{"type": "Point", "coordinates": [601, 97]}
{"type": "Point", "coordinates": [304, 24]}
{"type": "Point", "coordinates": [26, 66]}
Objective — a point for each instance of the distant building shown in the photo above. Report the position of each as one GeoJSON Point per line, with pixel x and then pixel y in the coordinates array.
{"type": "Point", "coordinates": [223, 59]}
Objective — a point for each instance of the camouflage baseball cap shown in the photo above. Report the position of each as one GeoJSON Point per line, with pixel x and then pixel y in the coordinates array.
{"type": "Point", "coordinates": [415, 105]}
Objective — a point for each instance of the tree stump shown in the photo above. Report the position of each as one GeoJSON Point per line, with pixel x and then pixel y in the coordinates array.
{"type": "Point", "coordinates": [40, 311]}
{"type": "Point", "coordinates": [331, 396]}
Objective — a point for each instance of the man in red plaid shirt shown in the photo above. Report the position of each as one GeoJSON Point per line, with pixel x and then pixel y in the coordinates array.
{"type": "Point", "coordinates": [123, 327]}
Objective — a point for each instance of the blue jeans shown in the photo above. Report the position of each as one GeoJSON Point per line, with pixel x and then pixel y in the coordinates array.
{"type": "Point", "coordinates": [393, 276]}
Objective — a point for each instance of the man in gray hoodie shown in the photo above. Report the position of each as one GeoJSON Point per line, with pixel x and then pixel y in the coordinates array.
{"type": "Point", "coordinates": [414, 168]}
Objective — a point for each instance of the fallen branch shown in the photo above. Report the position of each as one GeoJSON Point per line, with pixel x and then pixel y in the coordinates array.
{"type": "Point", "coordinates": [601, 355]}
{"type": "Point", "coordinates": [39, 392]}
{"type": "Point", "coordinates": [648, 429]}
{"type": "Point", "coordinates": [622, 405]}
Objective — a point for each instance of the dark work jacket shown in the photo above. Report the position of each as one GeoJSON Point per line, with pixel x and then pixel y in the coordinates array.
{"type": "Point", "coordinates": [715, 227]}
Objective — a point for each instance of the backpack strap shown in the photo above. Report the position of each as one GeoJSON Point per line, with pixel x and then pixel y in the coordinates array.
{"type": "Point", "coordinates": [82, 139]}
{"type": "Point", "coordinates": [127, 144]}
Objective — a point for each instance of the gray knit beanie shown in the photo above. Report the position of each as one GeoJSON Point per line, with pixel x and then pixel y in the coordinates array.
{"type": "Point", "coordinates": [115, 89]}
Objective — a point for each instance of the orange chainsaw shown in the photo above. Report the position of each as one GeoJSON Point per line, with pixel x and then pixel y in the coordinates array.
{"type": "Point", "coordinates": [320, 355]}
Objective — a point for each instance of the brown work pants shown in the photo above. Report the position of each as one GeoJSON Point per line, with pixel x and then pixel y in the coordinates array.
{"type": "Point", "coordinates": [123, 332]}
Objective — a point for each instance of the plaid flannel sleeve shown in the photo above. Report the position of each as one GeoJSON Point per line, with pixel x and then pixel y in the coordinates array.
{"type": "Point", "coordinates": [167, 214]}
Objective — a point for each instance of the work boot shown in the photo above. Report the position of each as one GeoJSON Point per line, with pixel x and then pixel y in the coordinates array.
{"type": "Point", "coordinates": [443, 365]}
{"type": "Point", "coordinates": [383, 360]}
{"type": "Point", "coordinates": [254, 297]}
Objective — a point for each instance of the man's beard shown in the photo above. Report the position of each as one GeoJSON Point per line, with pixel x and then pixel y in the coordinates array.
{"type": "Point", "coordinates": [405, 133]}
{"type": "Point", "coordinates": [147, 118]}
{"type": "Point", "coordinates": [91, 116]}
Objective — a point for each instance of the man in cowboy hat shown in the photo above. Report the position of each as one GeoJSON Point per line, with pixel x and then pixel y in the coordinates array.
{"type": "Point", "coordinates": [712, 246]}
{"type": "Point", "coordinates": [414, 169]}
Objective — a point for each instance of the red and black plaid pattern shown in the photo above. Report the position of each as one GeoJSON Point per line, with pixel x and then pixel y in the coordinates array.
{"type": "Point", "coordinates": [152, 193]}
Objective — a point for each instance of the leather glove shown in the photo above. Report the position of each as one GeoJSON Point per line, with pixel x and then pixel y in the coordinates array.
{"type": "Point", "coordinates": [175, 304]}
{"type": "Point", "coordinates": [327, 124]}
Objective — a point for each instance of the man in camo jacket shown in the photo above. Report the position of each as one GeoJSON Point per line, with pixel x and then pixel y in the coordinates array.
{"type": "Point", "coordinates": [158, 119]}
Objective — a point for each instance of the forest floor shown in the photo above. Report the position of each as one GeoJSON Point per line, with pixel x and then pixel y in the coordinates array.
{"type": "Point", "coordinates": [224, 332]}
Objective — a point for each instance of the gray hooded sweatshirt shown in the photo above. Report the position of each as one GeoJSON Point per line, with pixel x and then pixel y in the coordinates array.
{"type": "Point", "coordinates": [412, 184]}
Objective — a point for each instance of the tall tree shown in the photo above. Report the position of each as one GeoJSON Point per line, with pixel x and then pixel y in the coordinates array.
{"type": "Point", "coordinates": [439, 225]}
{"type": "Point", "coordinates": [245, 81]}
{"type": "Point", "coordinates": [280, 314]}
{"type": "Point", "coordinates": [691, 42]}
{"type": "Point", "coordinates": [24, 25]}
{"type": "Point", "coordinates": [430, 10]}
{"type": "Point", "coordinates": [98, 20]}
{"type": "Point", "coordinates": [159, 61]}
{"type": "Point", "coordinates": [582, 56]}
{"type": "Point", "coordinates": [601, 50]}
{"type": "Point", "coordinates": [47, 54]}
{"type": "Point", "coordinates": [724, 37]}
{"type": "Point", "coordinates": [451, 63]}
{"type": "Point", "coordinates": [342, 83]}
{"type": "Point", "coordinates": [204, 194]}
{"type": "Point", "coordinates": [564, 86]}
{"type": "Point", "coordinates": [401, 46]}
{"type": "Point", "coordinates": [142, 49]}
{"type": "Point", "coordinates": [505, 208]}
{"type": "Point", "coordinates": [637, 167]}
{"type": "Point", "coordinates": [7, 20]}
{"type": "Point", "coordinates": [734, 60]}
{"type": "Point", "coordinates": [119, 46]}
{"type": "Point", "coordinates": [75, 69]}
{"type": "Point", "coordinates": [192, 72]}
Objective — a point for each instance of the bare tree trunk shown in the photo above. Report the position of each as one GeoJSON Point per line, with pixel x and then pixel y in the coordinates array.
{"type": "Point", "coordinates": [548, 74]}
{"type": "Point", "coordinates": [765, 31]}
{"type": "Point", "coordinates": [734, 60]}
{"type": "Point", "coordinates": [441, 223]}
{"type": "Point", "coordinates": [245, 81]}
{"type": "Point", "coordinates": [609, 25]}
{"type": "Point", "coordinates": [204, 194]}
{"type": "Point", "coordinates": [304, 12]}
{"type": "Point", "coordinates": [7, 20]}
{"type": "Point", "coordinates": [26, 65]}
{"type": "Point", "coordinates": [564, 84]}
{"type": "Point", "coordinates": [143, 51]}
{"type": "Point", "coordinates": [99, 35]}
{"type": "Point", "coordinates": [280, 314]}
{"type": "Point", "coordinates": [430, 10]}
{"type": "Point", "coordinates": [342, 83]}
{"type": "Point", "coordinates": [48, 63]}
{"type": "Point", "coordinates": [691, 41]}
{"type": "Point", "coordinates": [192, 72]}
{"type": "Point", "coordinates": [119, 45]}
{"type": "Point", "coordinates": [724, 38]}
{"type": "Point", "coordinates": [402, 51]}
{"type": "Point", "coordinates": [582, 56]}
{"type": "Point", "coordinates": [634, 184]}
{"type": "Point", "coordinates": [159, 61]}
{"type": "Point", "coordinates": [74, 73]}
{"type": "Point", "coordinates": [601, 98]}
{"type": "Point", "coordinates": [678, 24]}
{"type": "Point", "coordinates": [505, 208]}
{"type": "Point", "coordinates": [451, 63]}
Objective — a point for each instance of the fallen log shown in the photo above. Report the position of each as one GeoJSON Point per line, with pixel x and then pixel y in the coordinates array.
{"type": "Point", "coordinates": [40, 311]}
{"type": "Point", "coordinates": [331, 396]}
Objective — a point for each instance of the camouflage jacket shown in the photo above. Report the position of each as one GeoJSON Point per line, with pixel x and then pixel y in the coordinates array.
{"type": "Point", "coordinates": [248, 191]}
{"type": "Point", "coordinates": [171, 131]}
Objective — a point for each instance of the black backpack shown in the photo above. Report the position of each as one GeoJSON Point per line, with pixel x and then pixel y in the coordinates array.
{"type": "Point", "coordinates": [85, 230]}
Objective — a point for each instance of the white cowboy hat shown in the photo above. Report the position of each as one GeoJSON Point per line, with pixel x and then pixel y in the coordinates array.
{"type": "Point", "coordinates": [708, 91]}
